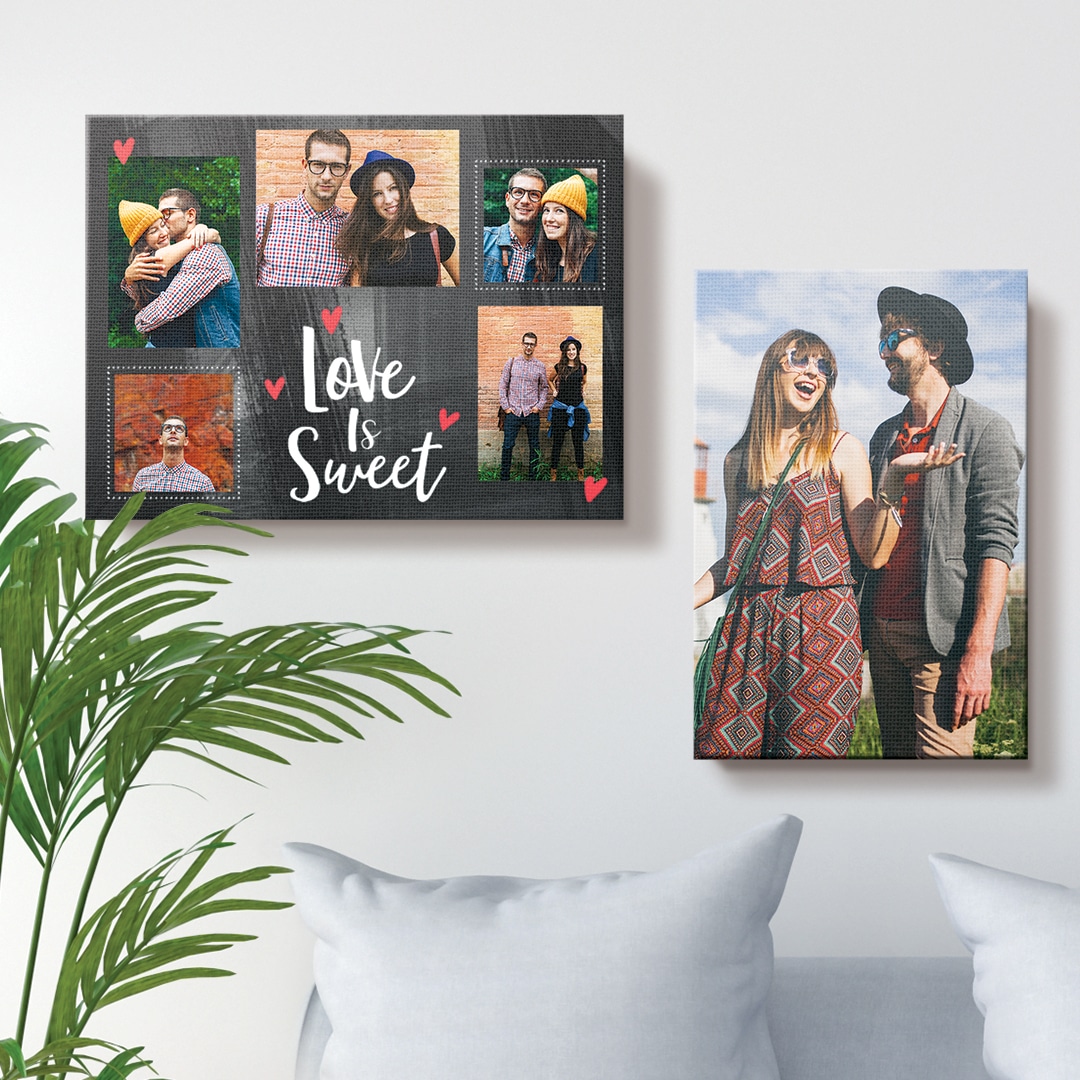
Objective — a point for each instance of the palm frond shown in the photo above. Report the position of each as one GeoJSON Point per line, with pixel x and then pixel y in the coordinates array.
{"type": "Point", "coordinates": [129, 945]}
{"type": "Point", "coordinates": [73, 1057]}
{"type": "Point", "coordinates": [91, 688]}
{"type": "Point", "coordinates": [11, 1058]}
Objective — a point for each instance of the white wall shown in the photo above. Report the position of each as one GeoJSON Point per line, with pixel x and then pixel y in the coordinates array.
{"type": "Point", "coordinates": [785, 135]}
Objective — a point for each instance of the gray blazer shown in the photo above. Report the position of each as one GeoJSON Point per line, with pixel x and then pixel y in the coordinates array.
{"type": "Point", "coordinates": [969, 514]}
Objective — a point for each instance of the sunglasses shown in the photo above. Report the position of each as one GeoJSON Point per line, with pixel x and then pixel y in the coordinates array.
{"type": "Point", "coordinates": [822, 364]}
{"type": "Point", "coordinates": [889, 344]}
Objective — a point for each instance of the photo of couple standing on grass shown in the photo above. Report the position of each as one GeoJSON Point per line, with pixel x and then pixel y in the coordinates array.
{"type": "Point", "coordinates": [860, 537]}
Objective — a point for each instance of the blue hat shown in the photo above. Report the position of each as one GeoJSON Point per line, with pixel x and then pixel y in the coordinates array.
{"type": "Point", "coordinates": [375, 160]}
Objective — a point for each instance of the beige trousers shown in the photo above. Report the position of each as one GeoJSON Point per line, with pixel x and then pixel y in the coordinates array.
{"type": "Point", "coordinates": [913, 691]}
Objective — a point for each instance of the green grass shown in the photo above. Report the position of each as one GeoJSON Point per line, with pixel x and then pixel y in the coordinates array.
{"type": "Point", "coordinates": [866, 741]}
{"type": "Point", "coordinates": [1001, 731]}
{"type": "Point", "coordinates": [131, 339]}
{"type": "Point", "coordinates": [517, 471]}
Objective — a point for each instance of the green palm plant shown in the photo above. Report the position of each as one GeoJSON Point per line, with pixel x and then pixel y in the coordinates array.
{"type": "Point", "coordinates": [89, 691]}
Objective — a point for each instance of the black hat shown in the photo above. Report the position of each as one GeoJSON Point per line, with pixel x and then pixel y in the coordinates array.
{"type": "Point", "coordinates": [941, 321]}
{"type": "Point", "coordinates": [566, 341]}
{"type": "Point", "coordinates": [375, 161]}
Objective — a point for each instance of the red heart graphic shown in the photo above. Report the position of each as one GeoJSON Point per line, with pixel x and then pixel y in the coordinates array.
{"type": "Point", "coordinates": [594, 487]}
{"type": "Point", "coordinates": [123, 149]}
{"type": "Point", "coordinates": [274, 388]}
{"type": "Point", "coordinates": [447, 419]}
{"type": "Point", "coordinates": [330, 319]}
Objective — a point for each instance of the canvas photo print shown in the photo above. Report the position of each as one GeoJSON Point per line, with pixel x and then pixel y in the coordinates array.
{"type": "Point", "coordinates": [860, 515]}
{"type": "Point", "coordinates": [307, 316]}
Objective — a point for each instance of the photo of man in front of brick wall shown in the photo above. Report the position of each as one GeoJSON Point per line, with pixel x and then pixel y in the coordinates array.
{"type": "Point", "coordinates": [523, 395]}
{"type": "Point", "coordinates": [173, 433]}
{"type": "Point", "coordinates": [296, 239]}
{"type": "Point", "coordinates": [306, 240]}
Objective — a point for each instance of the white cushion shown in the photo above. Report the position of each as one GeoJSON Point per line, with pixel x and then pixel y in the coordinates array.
{"type": "Point", "coordinates": [634, 976]}
{"type": "Point", "coordinates": [1025, 935]}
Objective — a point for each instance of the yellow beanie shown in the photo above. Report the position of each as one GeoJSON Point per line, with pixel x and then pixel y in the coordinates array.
{"type": "Point", "coordinates": [136, 218]}
{"type": "Point", "coordinates": [569, 193]}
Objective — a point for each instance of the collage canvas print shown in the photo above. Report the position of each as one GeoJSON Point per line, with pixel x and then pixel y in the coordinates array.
{"type": "Point", "coordinates": [860, 514]}
{"type": "Point", "coordinates": [356, 317]}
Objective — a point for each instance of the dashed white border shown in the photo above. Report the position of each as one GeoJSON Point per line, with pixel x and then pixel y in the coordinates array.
{"type": "Point", "coordinates": [570, 287]}
{"type": "Point", "coordinates": [182, 369]}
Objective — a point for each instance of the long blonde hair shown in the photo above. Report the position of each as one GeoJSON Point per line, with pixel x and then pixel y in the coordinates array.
{"type": "Point", "coordinates": [760, 442]}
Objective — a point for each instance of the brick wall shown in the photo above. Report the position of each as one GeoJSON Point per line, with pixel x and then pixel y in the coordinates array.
{"type": "Point", "coordinates": [499, 331]}
{"type": "Point", "coordinates": [143, 402]}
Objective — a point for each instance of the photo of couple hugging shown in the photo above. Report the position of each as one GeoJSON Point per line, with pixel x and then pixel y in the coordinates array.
{"type": "Point", "coordinates": [400, 228]}
{"type": "Point", "coordinates": [827, 549]}
{"type": "Point", "coordinates": [178, 286]}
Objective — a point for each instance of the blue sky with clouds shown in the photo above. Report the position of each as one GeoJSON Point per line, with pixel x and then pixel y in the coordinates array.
{"type": "Point", "coordinates": [740, 313]}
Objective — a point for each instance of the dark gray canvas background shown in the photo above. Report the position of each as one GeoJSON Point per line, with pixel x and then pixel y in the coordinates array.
{"type": "Point", "coordinates": [432, 332]}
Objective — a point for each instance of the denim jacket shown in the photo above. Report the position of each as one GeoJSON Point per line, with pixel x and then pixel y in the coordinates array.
{"type": "Point", "coordinates": [217, 316]}
{"type": "Point", "coordinates": [495, 239]}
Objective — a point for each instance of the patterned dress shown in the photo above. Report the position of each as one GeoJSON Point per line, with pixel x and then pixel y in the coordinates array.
{"type": "Point", "coordinates": [787, 674]}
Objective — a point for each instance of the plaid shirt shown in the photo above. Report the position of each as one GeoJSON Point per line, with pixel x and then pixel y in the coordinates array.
{"type": "Point", "coordinates": [523, 387]}
{"type": "Point", "coordinates": [162, 477]}
{"type": "Point", "coordinates": [200, 273]}
{"type": "Point", "coordinates": [301, 248]}
{"type": "Point", "coordinates": [520, 254]}
{"type": "Point", "coordinates": [501, 243]}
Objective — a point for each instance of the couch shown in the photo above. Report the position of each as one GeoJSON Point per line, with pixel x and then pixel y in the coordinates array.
{"type": "Point", "coordinates": [669, 974]}
{"type": "Point", "coordinates": [835, 1018]}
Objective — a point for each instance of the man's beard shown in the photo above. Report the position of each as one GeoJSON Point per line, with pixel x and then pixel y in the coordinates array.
{"type": "Point", "coordinates": [905, 375]}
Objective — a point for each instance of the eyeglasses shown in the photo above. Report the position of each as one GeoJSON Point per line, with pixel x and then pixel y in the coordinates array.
{"type": "Point", "coordinates": [179, 428]}
{"type": "Point", "coordinates": [528, 344]}
{"type": "Point", "coordinates": [889, 344]}
{"type": "Point", "coordinates": [519, 193]}
{"type": "Point", "coordinates": [167, 211]}
{"type": "Point", "coordinates": [337, 168]}
{"type": "Point", "coordinates": [822, 364]}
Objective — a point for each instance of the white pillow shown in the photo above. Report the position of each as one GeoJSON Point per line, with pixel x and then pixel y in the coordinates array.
{"type": "Point", "coordinates": [1025, 935]}
{"type": "Point", "coordinates": [633, 976]}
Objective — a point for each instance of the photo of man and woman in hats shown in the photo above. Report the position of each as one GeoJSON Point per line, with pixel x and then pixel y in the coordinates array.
{"type": "Point", "coordinates": [867, 495]}
{"type": "Point", "coordinates": [375, 208]}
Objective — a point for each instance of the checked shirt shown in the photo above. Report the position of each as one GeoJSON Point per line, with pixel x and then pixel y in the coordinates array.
{"type": "Point", "coordinates": [200, 273]}
{"type": "Point", "coordinates": [162, 477]}
{"type": "Point", "coordinates": [300, 249]}
{"type": "Point", "coordinates": [523, 387]}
